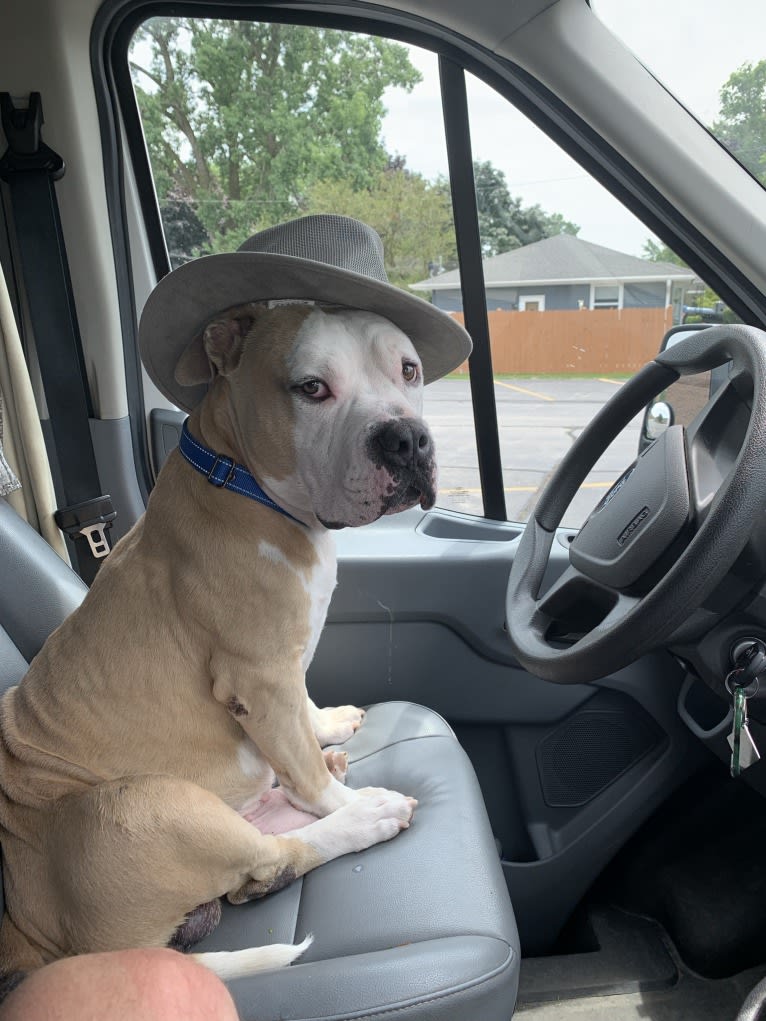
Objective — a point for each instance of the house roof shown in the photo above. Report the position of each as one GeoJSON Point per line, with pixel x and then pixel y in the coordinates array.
{"type": "Point", "coordinates": [562, 259]}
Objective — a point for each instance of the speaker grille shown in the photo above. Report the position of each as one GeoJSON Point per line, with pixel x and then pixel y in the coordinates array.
{"type": "Point", "coordinates": [591, 750]}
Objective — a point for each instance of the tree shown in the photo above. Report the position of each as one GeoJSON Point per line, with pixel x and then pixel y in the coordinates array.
{"type": "Point", "coordinates": [661, 253]}
{"type": "Point", "coordinates": [248, 117]}
{"type": "Point", "coordinates": [702, 296]}
{"type": "Point", "coordinates": [185, 235]}
{"type": "Point", "coordinates": [741, 125]}
{"type": "Point", "coordinates": [505, 224]}
{"type": "Point", "coordinates": [412, 216]}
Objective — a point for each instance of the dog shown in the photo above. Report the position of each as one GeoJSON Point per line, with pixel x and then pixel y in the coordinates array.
{"type": "Point", "coordinates": [139, 754]}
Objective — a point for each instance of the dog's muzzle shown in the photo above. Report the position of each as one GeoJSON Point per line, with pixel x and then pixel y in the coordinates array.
{"type": "Point", "coordinates": [401, 443]}
{"type": "Point", "coordinates": [403, 448]}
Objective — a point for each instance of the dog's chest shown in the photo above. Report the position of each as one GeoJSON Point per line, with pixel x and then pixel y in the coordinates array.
{"type": "Point", "coordinates": [320, 582]}
{"type": "Point", "coordinates": [317, 581]}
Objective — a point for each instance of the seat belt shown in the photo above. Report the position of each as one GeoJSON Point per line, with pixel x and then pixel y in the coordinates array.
{"type": "Point", "coordinates": [29, 168]}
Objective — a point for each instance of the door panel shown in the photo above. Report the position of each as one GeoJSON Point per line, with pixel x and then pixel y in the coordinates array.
{"type": "Point", "coordinates": [568, 772]}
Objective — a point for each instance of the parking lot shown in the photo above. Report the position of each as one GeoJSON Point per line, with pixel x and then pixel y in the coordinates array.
{"type": "Point", "coordinates": [539, 420]}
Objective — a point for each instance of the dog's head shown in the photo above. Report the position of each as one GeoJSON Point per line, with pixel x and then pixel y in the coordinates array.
{"type": "Point", "coordinates": [324, 406]}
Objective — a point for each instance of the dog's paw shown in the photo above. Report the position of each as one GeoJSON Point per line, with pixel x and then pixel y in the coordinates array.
{"type": "Point", "coordinates": [371, 816]}
{"type": "Point", "coordinates": [337, 763]}
{"type": "Point", "coordinates": [336, 725]}
{"type": "Point", "coordinates": [376, 815]}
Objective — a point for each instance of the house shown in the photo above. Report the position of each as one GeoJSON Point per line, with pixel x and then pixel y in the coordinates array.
{"type": "Point", "coordinates": [565, 272]}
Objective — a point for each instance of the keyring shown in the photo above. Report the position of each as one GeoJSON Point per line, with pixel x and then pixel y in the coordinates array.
{"type": "Point", "coordinates": [754, 685]}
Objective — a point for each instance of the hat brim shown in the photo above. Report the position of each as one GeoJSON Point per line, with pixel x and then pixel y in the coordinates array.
{"type": "Point", "coordinates": [191, 296]}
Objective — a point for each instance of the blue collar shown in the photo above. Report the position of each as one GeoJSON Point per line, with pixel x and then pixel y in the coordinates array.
{"type": "Point", "coordinates": [223, 473]}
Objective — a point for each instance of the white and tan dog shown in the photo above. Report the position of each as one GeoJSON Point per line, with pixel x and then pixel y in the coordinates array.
{"type": "Point", "coordinates": [149, 729]}
{"type": "Point", "coordinates": [138, 755]}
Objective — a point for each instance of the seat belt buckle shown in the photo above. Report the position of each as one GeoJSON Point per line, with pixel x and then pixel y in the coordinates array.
{"type": "Point", "coordinates": [89, 520]}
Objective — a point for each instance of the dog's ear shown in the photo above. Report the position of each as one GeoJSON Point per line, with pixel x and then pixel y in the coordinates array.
{"type": "Point", "coordinates": [193, 366]}
{"type": "Point", "coordinates": [217, 349]}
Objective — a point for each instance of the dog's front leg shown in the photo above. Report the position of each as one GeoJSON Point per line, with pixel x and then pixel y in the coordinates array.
{"type": "Point", "coordinates": [286, 738]}
{"type": "Point", "coordinates": [273, 710]}
{"type": "Point", "coordinates": [303, 770]}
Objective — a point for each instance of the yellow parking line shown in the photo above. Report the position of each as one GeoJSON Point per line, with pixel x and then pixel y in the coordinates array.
{"type": "Point", "coordinates": [522, 489]}
{"type": "Point", "coordinates": [614, 382]}
{"type": "Point", "coordinates": [522, 390]}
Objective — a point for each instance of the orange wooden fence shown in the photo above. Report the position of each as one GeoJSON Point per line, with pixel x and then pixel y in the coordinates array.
{"type": "Point", "coordinates": [598, 341]}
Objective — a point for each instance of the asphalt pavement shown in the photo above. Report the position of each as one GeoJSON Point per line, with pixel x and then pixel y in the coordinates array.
{"type": "Point", "coordinates": [539, 420]}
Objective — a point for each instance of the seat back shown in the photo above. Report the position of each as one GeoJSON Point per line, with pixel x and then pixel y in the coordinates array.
{"type": "Point", "coordinates": [37, 591]}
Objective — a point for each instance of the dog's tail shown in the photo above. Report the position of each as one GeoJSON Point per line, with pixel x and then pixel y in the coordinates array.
{"type": "Point", "coordinates": [229, 964]}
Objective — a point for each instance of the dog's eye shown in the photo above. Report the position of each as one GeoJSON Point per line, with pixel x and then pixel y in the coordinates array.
{"type": "Point", "coordinates": [409, 371]}
{"type": "Point", "coordinates": [314, 388]}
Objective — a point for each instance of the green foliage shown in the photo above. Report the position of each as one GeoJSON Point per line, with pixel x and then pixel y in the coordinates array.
{"type": "Point", "coordinates": [741, 125]}
{"type": "Point", "coordinates": [504, 224]}
{"type": "Point", "coordinates": [412, 216]}
{"type": "Point", "coordinates": [248, 124]}
{"type": "Point", "coordinates": [245, 118]}
{"type": "Point", "coordinates": [185, 234]}
{"type": "Point", "coordinates": [661, 253]}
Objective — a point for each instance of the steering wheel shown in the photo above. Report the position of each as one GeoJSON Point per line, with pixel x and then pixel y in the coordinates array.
{"type": "Point", "coordinates": [665, 534]}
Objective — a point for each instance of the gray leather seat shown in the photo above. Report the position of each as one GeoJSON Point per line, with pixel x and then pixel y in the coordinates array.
{"type": "Point", "coordinates": [420, 927]}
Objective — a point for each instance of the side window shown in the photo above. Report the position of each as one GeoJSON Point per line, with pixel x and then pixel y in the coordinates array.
{"type": "Point", "coordinates": [604, 289]}
{"type": "Point", "coordinates": [248, 124]}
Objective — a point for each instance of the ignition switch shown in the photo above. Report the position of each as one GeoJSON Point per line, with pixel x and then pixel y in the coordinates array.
{"type": "Point", "coordinates": [748, 655]}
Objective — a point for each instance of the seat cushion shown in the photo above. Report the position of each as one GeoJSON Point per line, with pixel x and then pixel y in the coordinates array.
{"type": "Point", "coordinates": [421, 925]}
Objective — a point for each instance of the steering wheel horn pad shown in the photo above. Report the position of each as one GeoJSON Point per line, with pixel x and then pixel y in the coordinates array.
{"type": "Point", "coordinates": [640, 517]}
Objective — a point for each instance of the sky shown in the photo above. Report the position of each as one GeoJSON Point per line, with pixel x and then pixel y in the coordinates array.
{"type": "Point", "coordinates": [690, 45]}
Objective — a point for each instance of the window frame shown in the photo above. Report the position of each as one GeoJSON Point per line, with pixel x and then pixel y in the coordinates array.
{"type": "Point", "coordinates": [120, 123]}
{"type": "Point", "coordinates": [594, 301]}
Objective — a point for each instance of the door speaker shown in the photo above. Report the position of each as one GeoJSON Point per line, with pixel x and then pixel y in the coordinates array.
{"type": "Point", "coordinates": [590, 750]}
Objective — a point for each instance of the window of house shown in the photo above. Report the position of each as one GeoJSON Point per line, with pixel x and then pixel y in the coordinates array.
{"type": "Point", "coordinates": [606, 296]}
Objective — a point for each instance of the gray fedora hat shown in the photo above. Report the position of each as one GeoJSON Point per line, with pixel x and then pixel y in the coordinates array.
{"type": "Point", "coordinates": [331, 259]}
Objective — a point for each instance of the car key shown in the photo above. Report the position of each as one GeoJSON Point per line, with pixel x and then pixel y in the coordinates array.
{"type": "Point", "coordinates": [743, 748]}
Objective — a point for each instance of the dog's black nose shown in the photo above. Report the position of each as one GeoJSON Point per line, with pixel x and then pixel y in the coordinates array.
{"type": "Point", "coordinates": [402, 442]}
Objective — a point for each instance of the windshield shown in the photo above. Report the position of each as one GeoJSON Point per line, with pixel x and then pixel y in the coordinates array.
{"type": "Point", "coordinates": [711, 56]}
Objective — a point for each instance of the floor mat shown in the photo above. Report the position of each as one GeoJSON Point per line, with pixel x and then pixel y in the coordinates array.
{"type": "Point", "coordinates": [629, 955]}
{"type": "Point", "coordinates": [692, 999]}
{"type": "Point", "coordinates": [698, 868]}
{"type": "Point", "coordinates": [635, 973]}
